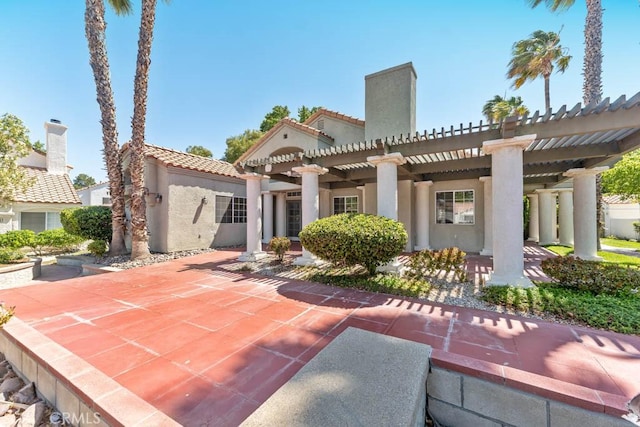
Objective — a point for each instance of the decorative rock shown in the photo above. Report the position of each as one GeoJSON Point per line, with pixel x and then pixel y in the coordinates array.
{"type": "Point", "coordinates": [33, 415]}
{"type": "Point", "coordinates": [11, 385]}
{"type": "Point", "coordinates": [27, 394]}
{"type": "Point", "coordinates": [4, 407]}
{"type": "Point", "coordinates": [8, 420]}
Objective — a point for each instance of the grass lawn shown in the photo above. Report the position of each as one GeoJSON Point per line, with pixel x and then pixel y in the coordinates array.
{"type": "Point", "coordinates": [618, 243]}
{"type": "Point", "coordinates": [606, 256]}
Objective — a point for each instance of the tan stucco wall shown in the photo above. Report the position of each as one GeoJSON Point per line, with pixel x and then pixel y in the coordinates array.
{"type": "Point", "coordinates": [469, 238]}
{"type": "Point", "coordinates": [370, 198]}
{"type": "Point", "coordinates": [342, 132]}
{"type": "Point", "coordinates": [191, 224]}
{"type": "Point", "coordinates": [295, 138]}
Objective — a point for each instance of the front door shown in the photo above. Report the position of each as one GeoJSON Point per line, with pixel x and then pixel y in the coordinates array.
{"type": "Point", "coordinates": [294, 218]}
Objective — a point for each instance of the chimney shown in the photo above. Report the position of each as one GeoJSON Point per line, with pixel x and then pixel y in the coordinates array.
{"type": "Point", "coordinates": [56, 136]}
{"type": "Point", "coordinates": [390, 102]}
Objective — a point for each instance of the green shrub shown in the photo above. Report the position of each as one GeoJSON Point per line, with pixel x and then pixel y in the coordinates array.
{"type": "Point", "coordinates": [97, 248]}
{"type": "Point", "coordinates": [17, 239]}
{"type": "Point", "coordinates": [593, 276]}
{"type": "Point", "coordinates": [56, 240]}
{"type": "Point", "coordinates": [352, 239]}
{"type": "Point", "coordinates": [280, 245]}
{"type": "Point", "coordinates": [431, 263]}
{"type": "Point", "coordinates": [636, 228]}
{"type": "Point", "coordinates": [89, 222]}
{"type": "Point", "coordinates": [384, 283]}
{"type": "Point", "coordinates": [6, 313]}
{"type": "Point", "coordinates": [8, 256]}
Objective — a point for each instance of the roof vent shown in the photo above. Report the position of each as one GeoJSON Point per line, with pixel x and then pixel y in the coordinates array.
{"type": "Point", "coordinates": [55, 121]}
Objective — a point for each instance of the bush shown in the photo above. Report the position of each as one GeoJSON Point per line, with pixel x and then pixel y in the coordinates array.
{"type": "Point", "coordinates": [17, 239]}
{"type": "Point", "coordinates": [97, 248]}
{"type": "Point", "coordinates": [6, 313]}
{"type": "Point", "coordinates": [432, 263]}
{"type": "Point", "coordinates": [384, 283]}
{"type": "Point", "coordinates": [8, 256]}
{"type": "Point", "coordinates": [280, 245]}
{"type": "Point", "coordinates": [351, 239]}
{"type": "Point", "coordinates": [593, 276]}
{"type": "Point", "coordinates": [55, 240]}
{"type": "Point", "coordinates": [89, 222]}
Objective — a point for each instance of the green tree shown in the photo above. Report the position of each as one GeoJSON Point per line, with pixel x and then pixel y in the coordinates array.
{"type": "Point", "coordinates": [535, 57]}
{"type": "Point", "coordinates": [237, 145]}
{"type": "Point", "coordinates": [624, 177]}
{"type": "Point", "coordinates": [39, 146]}
{"type": "Point", "coordinates": [199, 150]}
{"type": "Point", "coordinates": [14, 144]}
{"type": "Point", "coordinates": [95, 31]}
{"type": "Point", "coordinates": [276, 114]}
{"type": "Point", "coordinates": [499, 108]}
{"type": "Point", "coordinates": [83, 180]}
{"type": "Point", "coordinates": [304, 113]}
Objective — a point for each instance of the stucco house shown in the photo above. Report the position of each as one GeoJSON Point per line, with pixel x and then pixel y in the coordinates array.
{"type": "Point", "coordinates": [619, 214]}
{"type": "Point", "coordinates": [95, 195]}
{"type": "Point", "coordinates": [193, 202]}
{"type": "Point", "coordinates": [38, 208]}
{"type": "Point", "coordinates": [457, 186]}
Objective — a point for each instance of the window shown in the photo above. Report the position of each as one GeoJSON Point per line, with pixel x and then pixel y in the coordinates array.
{"type": "Point", "coordinates": [345, 204]}
{"type": "Point", "coordinates": [231, 210]}
{"type": "Point", "coordinates": [40, 221]}
{"type": "Point", "coordinates": [455, 207]}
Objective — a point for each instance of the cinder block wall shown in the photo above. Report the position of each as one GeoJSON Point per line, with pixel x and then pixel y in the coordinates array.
{"type": "Point", "coordinates": [456, 399]}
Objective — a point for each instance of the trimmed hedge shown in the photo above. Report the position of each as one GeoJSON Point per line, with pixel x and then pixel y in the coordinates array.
{"type": "Point", "coordinates": [280, 245]}
{"type": "Point", "coordinates": [55, 239]}
{"type": "Point", "coordinates": [90, 222]}
{"type": "Point", "coordinates": [593, 276]}
{"type": "Point", "coordinates": [429, 263]}
{"type": "Point", "coordinates": [352, 239]}
{"type": "Point", "coordinates": [17, 239]}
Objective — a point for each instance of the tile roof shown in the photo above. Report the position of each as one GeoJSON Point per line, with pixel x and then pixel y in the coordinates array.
{"type": "Point", "coordinates": [287, 121]}
{"type": "Point", "coordinates": [334, 115]}
{"type": "Point", "coordinates": [48, 188]}
{"type": "Point", "coordinates": [618, 199]}
{"type": "Point", "coordinates": [180, 159]}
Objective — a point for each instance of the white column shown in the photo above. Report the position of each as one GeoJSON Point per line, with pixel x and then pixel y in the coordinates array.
{"type": "Point", "coordinates": [554, 218]}
{"type": "Point", "coordinates": [547, 213]}
{"type": "Point", "coordinates": [584, 212]}
{"type": "Point", "coordinates": [267, 209]}
{"type": "Point", "coordinates": [310, 204]}
{"type": "Point", "coordinates": [387, 180]}
{"type": "Point", "coordinates": [565, 216]}
{"type": "Point", "coordinates": [361, 188]}
{"type": "Point", "coordinates": [387, 193]}
{"type": "Point", "coordinates": [281, 214]}
{"type": "Point", "coordinates": [422, 215]}
{"type": "Point", "coordinates": [506, 171]}
{"type": "Point", "coordinates": [254, 218]}
{"type": "Point", "coordinates": [487, 250]}
{"type": "Point", "coordinates": [534, 224]}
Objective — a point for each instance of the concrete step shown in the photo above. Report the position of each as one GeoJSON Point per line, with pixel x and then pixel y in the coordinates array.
{"type": "Point", "coordinates": [360, 378]}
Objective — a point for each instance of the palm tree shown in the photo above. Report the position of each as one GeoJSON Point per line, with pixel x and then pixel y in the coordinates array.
{"type": "Point", "coordinates": [139, 235]}
{"type": "Point", "coordinates": [95, 28]}
{"type": "Point", "coordinates": [591, 67]}
{"type": "Point", "coordinates": [537, 56]}
{"type": "Point", "coordinates": [499, 108]}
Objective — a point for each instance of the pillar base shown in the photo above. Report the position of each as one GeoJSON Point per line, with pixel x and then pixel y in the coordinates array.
{"type": "Point", "coordinates": [588, 257]}
{"type": "Point", "coordinates": [252, 256]}
{"type": "Point", "coordinates": [519, 281]}
{"type": "Point", "coordinates": [421, 248]}
{"type": "Point", "coordinates": [395, 267]}
{"type": "Point", "coordinates": [547, 243]}
{"type": "Point", "coordinates": [307, 261]}
{"type": "Point", "coordinates": [532, 239]}
{"type": "Point", "coordinates": [486, 252]}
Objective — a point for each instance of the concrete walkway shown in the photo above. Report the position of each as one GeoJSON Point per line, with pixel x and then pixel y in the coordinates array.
{"type": "Point", "coordinates": [207, 345]}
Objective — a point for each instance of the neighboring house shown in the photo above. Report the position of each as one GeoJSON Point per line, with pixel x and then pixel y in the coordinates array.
{"type": "Point", "coordinates": [457, 186]}
{"type": "Point", "coordinates": [193, 202]}
{"type": "Point", "coordinates": [38, 208]}
{"type": "Point", "coordinates": [619, 216]}
{"type": "Point", "coordinates": [95, 195]}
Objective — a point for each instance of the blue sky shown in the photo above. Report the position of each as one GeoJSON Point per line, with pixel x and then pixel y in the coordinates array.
{"type": "Point", "coordinates": [219, 66]}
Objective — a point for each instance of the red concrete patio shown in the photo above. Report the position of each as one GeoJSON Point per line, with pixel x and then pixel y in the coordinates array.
{"type": "Point", "coordinates": [207, 345]}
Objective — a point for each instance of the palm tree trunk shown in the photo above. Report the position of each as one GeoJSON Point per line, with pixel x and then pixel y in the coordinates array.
{"type": "Point", "coordinates": [592, 67]}
{"type": "Point", "coordinates": [95, 28]}
{"type": "Point", "coordinates": [592, 84]}
{"type": "Point", "coordinates": [547, 97]}
{"type": "Point", "coordinates": [140, 237]}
